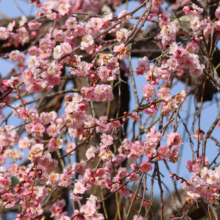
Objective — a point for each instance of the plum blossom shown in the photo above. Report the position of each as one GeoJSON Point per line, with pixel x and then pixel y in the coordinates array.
{"type": "Point", "coordinates": [134, 116]}
{"type": "Point", "coordinates": [148, 90]}
{"type": "Point", "coordinates": [133, 177]}
{"type": "Point", "coordinates": [174, 139]}
{"type": "Point", "coordinates": [164, 93]}
{"type": "Point", "coordinates": [164, 151]}
{"type": "Point", "coordinates": [125, 17]}
{"type": "Point", "coordinates": [14, 55]}
{"type": "Point", "coordinates": [199, 135]}
{"type": "Point", "coordinates": [92, 152]}
{"type": "Point", "coordinates": [143, 65]}
{"type": "Point", "coordinates": [64, 9]}
{"type": "Point", "coordinates": [87, 43]}
{"type": "Point", "coordinates": [79, 188]}
{"type": "Point", "coordinates": [93, 48]}
{"type": "Point", "coordinates": [119, 48]}
{"type": "Point", "coordinates": [145, 167]}
{"type": "Point", "coordinates": [4, 33]}
{"type": "Point", "coordinates": [180, 97]}
{"type": "Point", "coordinates": [122, 34]}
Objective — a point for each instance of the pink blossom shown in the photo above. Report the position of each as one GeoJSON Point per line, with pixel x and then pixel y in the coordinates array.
{"type": "Point", "coordinates": [57, 52]}
{"type": "Point", "coordinates": [106, 140]}
{"type": "Point", "coordinates": [52, 130]}
{"type": "Point", "coordinates": [180, 97]}
{"type": "Point", "coordinates": [13, 169]}
{"type": "Point", "coordinates": [55, 145]}
{"type": "Point", "coordinates": [70, 148]}
{"type": "Point", "coordinates": [60, 36]}
{"type": "Point", "coordinates": [174, 139]}
{"type": "Point", "coordinates": [64, 9]}
{"type": "Point", "coordinates": [192, 47]}
{"type": "Point", "coordinates": [87, 42]}
{"type": "Point", "coordinates": [64, 180]}
{"type": "Point", "coordinates": [36, 151]}
{"type": "Point", "coordinates": [53, 16]}
{"type": "Point", "coordinates": [136, 151]}
{"type": "Point", "coordinates": [91, 153]}
{"type": "Point", "coordinates": [14, 55]}
{"type": "Point", "coordinates": [79, 30]}
{"type": "Point", "coordinates": [23, 35]}
{"type": "Point", "coordinates": [13, 198]}
{"type": "Point", "coordinates": [134, 116]}
{"type": "Point", "coordinates": [79, 167]}
{"type": "Point", "coordinates": [133, 177]}
{"type": "Point", "coordinates": [139, 71]}
{"type": "Point", "coordinates": [35, 86]}
{"type": "Point", "coordinates": [33, 26]}
{"type": "Point", "coordinates": [103, 73]}
{"type": "Point", "coordinates": [174, 154]}
{"type": "Point", "coordinates": [144, 64]}
{"type": "Point", "coordinates": [79, 188]}
{"type": "Point", "coordinates": [88, 209]}
{"type": "Point", "coordinates": [116, 124]}
{"type": "Point", "coordinates": [186, 9]}
{"type": "Point", "coordinates": [121, 173]}
{"type": "Point", "coordinates": [33, 62]}
{"type": "Point", "coordinates": [23, 21]}
{"type": "Point", "coordinates": [4, 33]}
{"type": "Point", "coordinates": [168, 32]}
{"type": "Point", "coordinates": [206, 161]}
{"type": "Point", "coordinates": [197, 70]}
{"type": "Point", "coordinates": [71, 22]}
{"type": "Point", "coordinates": [53, 179]}
{"type": "Point", "coordinates": [189, 165]}
{"type": "Point", "coordinates": [44, 118]}
{"type": "Point", "coordinates": [39, 128]}
{"type": "Point", "coordinates": [138, 217]}
{"type": "Point", "coordinates": [164, 93]}
{"type": "Point", "coordinates": [164, 151]}
{"type": "Point", "coordinates": [4, 183]}
{"type": "Point", "coordinates": [197, 9]}
{"type": "Point", "coordinates": [126, 18]}
{"type": "Point", "coordinates": [27, 75]}
{"type": "Point", "coordinates": [148, 90]}
{"type": "Point", "coordinates": [199, 135]}
{"type": "Point", "coordinates": [119, 48]}
{"type": "Point", "coordinates": [65, 48]}
{"type": "Point", "coordinates": [99, 172]}
{"type": "Point", "coordinates": [2, 160]}
{"type": "Point", "coordinates": [46, 43]}
{"type": "Point", "coordinates": [118, 159]}
{"type": "Point", "coordinates": [145, 166]}
{"type": "Point", "coordinates": [97, 22]}
{"type": "Point", "coordinates": [25, 143]}
{"type": "Point", "coordinates": [217, 13]}
{"type": "Point", "coordinates": [82, 70]}
{"type": "Point", "coordinates": [122, 34]}
{"type": "Point", "coordinates": [29, 128]}
{"type": "Point", "coordinates": [196, 168]}
{"type": "Point", "coordinates": [46, 161]}
{"type": "Point", "coordinates": [57, 207]}
{"type": "Point", "coordinates": [151, 109]}
{"type": "Point", "coordinates": [11, 25]}
{"type": "Point", "coordinates": [217, 25]}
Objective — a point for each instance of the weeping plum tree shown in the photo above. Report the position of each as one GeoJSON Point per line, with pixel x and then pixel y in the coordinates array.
{"type": "Point", "coordinates": [74, 144]}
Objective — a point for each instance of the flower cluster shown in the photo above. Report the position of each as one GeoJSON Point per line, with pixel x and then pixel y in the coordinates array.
{"type": "Point", "coordinates": [92, 51]}
{"type": "Point", "coordinates": [205, 186]}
